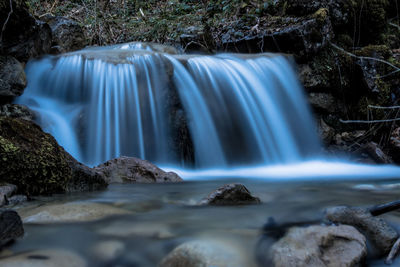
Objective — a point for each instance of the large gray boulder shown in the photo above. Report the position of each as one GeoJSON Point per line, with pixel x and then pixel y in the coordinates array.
{"type": "Point", "coordinates": [134, 170]}
{"type": "Point", "coordinates": [320, 246]}
{"type": "Point", "coordinates": [378, 231]}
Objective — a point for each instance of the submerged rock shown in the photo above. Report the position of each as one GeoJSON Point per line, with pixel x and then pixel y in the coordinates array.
{"type": "Point", "coordinates": [230, 194]}
{"type": "Point", "coordinates": [36, 164]}
{"type": "Point", "coordinates": [10, 226]}
{"type": "Point", "coordinates": [204, 253]}
{"type": "Point", "coordinates": [70, 212]}
{"type": "Point", "coordinates": [134, 170]}
{"type": "Point", "coordinates": [45, 258]}
{"type": "Point", "coordinates": [325, 246]}
{"type": "Point", "coordinates": [108, 250]}
{"type": "Point", "coordinates": [12, 78]}
{"type": "Point", "coordinates": [381, 234]}
{"type": "Point", "coordinates": [67, 34]}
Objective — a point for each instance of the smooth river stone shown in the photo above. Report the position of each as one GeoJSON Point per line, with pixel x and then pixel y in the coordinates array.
{"type": "Point", "coordinates": [70, 212]}
{"type": "Point", "coordinates": [45, 258]}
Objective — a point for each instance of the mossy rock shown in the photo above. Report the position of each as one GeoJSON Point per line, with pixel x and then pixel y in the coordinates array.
{"type": "Point", "coordinates": [32, 160]}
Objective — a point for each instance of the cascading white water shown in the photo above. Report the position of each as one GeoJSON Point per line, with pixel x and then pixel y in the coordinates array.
{"type": "Point", "coordinates": [240, 110]}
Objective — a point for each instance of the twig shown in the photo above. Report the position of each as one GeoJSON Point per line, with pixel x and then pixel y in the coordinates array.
{"type": "Point", "coordinates": [393, 252]}
{"type": "Point", "coordinates": [384, 208]}
{"type": "Point", "coordinates": [5, 23]}
{"type": "Point", "coordinates": [379, 107]}
{"type": "Point", "coordinates": [372, 121]}
{"type": "Point", "coordinates": [394, 25]}
{"type": "Point", "coordinates": [369, 58]}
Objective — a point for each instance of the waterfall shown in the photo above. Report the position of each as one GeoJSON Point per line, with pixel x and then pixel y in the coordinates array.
{"type": "Point", "coordinates": [149, 102]}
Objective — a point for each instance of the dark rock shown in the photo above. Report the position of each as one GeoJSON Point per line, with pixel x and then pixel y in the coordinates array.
{"type": "Point", "coordinates": [323, 102]}
{"type": "Point", "coordinates": [17, 199]}
{"type": "Point", "coordinates": [303, 37]}
{"type": "Point", "coordinates": [12, 78]}
{"type": "Point", "coordinates": [195, 39]}
{"type": "Point", "coordinates": [369, 74]}
{"type": "Point", "coordinates": [32, 160]}
{"type": "Point", "coordinates": [325, 131]}
{"type": "Point", "coordinates": [23, 37]}
{"type": "Point", "coordinates": [375, 229]}
{"type": "Point", "coordinates": [10, 226]}
{"type": "Point", "coordinates": [67, 34]}
{"type": "Point", "coordinates": [395, 145]}
{"type": "Point", "coordinates": [230, 194]}
{"type": "Point", "coordinates": [321, 246]}
{"type": "Point", "coordinates": [134, 170]}
{"type": "Point", "coordinates": [376, 153]}
{"type": "Point", "coordinates": [17, 111]}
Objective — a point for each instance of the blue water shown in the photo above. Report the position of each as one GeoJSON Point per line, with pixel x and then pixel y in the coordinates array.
{"type": "Point", "coordinates": [106, 102]}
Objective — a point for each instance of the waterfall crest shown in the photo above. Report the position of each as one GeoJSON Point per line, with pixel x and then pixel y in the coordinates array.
{"type": "Point", "coordinates": [137, 100]}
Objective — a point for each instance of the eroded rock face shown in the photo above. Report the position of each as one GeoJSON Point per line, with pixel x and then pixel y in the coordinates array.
{"type": "Point", "coordinates": [376, 229]}
{"type": "Point", "coordinates": [12, 78]}
{"type": "Point", "coordinates": [10, 226]}
{"type": "Point", "coordinates": [301, 36]}
{"type": "Point", "coordinates": [67, 35]}
{"type": "Point", "coordinates": [17, 111]}
{"type": "Point", "coordinates": [36, 164]}
{"type": "Point", "coordinates": [134, 170]}
{"type": "Point", "coordinates": [230, 194]}
{"type": "Point", "coordinates": [325, 246]}
{"type": "Point", "coordinates": [23, 37]}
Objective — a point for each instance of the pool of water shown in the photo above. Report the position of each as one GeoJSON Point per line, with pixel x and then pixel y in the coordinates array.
{"type": "Point", "coordinates": [156, 218]}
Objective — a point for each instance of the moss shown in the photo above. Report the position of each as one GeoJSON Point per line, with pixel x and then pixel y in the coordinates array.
{"type": "Point", "coordinates": [321, 15]}
{"type": "Point", "coordinates": [32, 159]}
{"type": "Point", "coordinates": [374, 51]}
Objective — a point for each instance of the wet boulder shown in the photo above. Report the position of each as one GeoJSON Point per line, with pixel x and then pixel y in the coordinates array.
{"type": "Point", "coordinates": [17, 111]}
{"type": "Point", "coordinates": [23, 37]}
{"type": "Point", "coordinates": [378, 231]}
{"type": "Point", "coordinates": [68, 35]}
{"type": "Point", "coordinates": [36, 164]}
{"type": "Point", "coordinates": [10, 226]}
{"type": "Point", "coordinates": [321, 246]}
{"type": "Point", "coordinates": [134, 170]}
{"type": "Point", "coordinates": [230, 194]}
{"type": "Point", "coordinates": [12, 78]}
{"type": "Point", "coordinates": [376, 153]}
